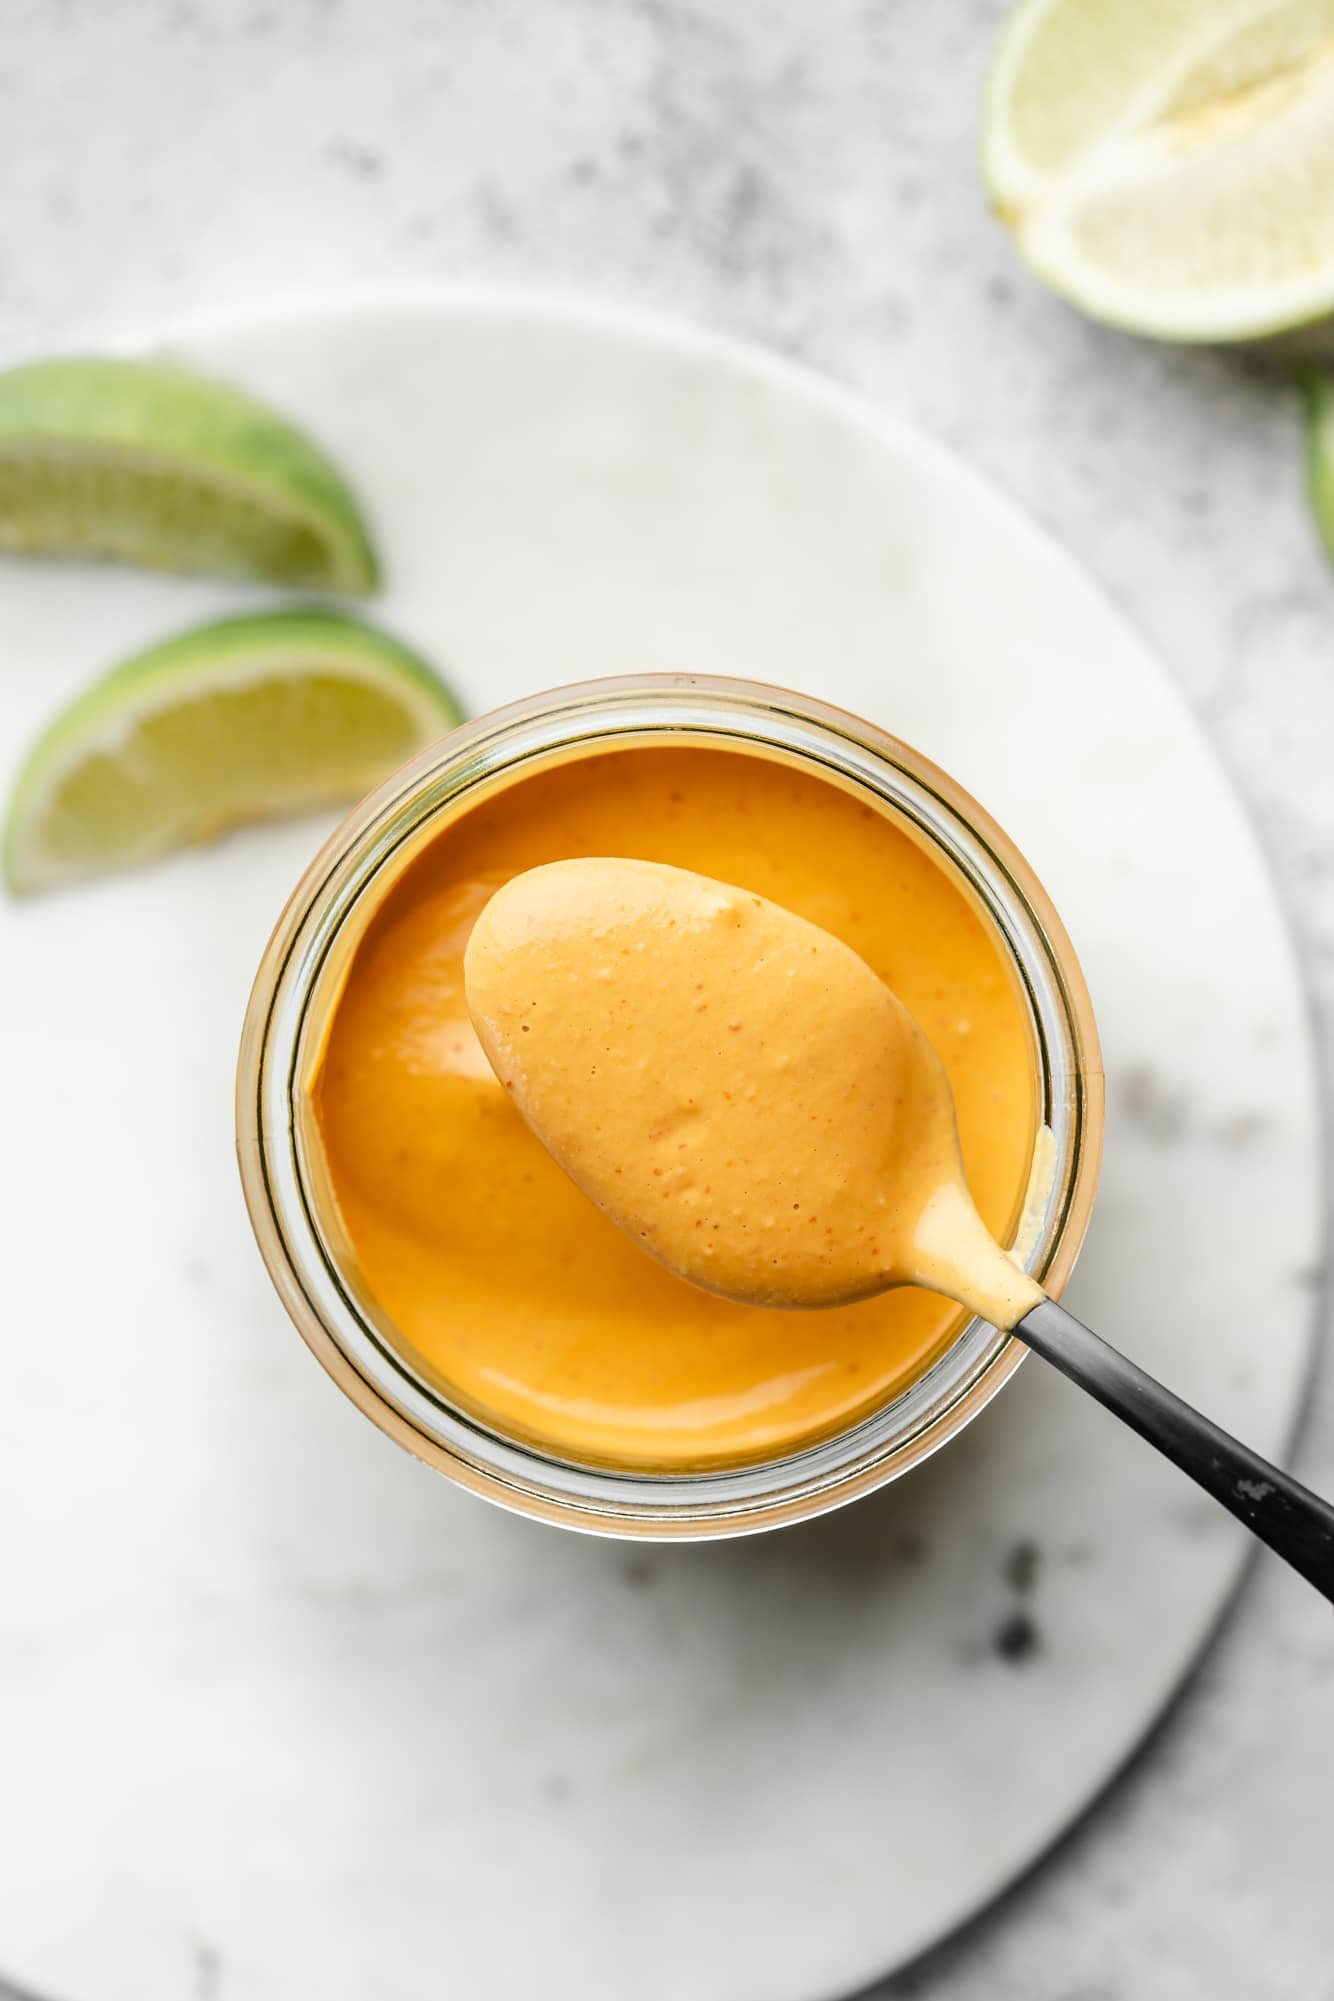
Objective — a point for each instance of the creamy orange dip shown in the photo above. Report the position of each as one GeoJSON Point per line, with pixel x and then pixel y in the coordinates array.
{"type": "Point", "coordinates": [500, 1279]}
{"type": "Point", "coordinates": [733, 1085]}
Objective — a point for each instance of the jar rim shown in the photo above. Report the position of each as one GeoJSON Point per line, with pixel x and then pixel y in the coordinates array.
{"type": "Point", "coordinates": [348, 878]}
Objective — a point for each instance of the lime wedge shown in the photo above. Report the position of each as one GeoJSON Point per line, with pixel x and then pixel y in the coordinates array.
{"type": "Point", "coordinates": [243, 720]}
{"type": "Point", "coordinates": [1169, 167]}
{"type": "Point", "coordinates": [149, 464]}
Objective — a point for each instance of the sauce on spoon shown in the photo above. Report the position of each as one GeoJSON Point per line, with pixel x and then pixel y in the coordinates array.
{"type": "Point", "coordinates": [734, 1086]}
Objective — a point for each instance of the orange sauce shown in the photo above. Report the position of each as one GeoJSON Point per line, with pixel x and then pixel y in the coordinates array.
{"type": "Point", "coordinates": [499, 1279]}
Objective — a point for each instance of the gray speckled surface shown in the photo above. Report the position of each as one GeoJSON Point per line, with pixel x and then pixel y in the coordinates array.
{"type": "Point", "coordinates": [806, 176]}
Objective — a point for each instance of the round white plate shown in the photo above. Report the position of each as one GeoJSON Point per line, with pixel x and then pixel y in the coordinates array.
{"type": "Point", "coordinates": [280, 1712]}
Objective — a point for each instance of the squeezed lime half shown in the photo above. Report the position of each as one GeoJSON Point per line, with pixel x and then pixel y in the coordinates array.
{"type": "Point", "coordinates": [1168, 165]}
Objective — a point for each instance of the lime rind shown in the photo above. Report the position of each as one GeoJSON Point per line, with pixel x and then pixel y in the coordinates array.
{"type": "Point", "coordinates": [283, 654]}
{"type": "Point", "coordinates": [1318, 388]}
{"type": "Point", "coordinates": [244, 648]}
{"type": "Point", "coordinates": [149, 462]}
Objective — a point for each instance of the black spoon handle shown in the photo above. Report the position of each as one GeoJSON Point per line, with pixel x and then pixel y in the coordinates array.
{"type": "Point", "coordinates": [1294, 1522]}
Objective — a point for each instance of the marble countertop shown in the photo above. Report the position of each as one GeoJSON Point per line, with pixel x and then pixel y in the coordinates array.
{"type": "Point", "coordinates": [804, 176]}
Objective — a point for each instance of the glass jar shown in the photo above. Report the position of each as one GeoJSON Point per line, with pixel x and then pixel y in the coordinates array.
{"type": "Point", "coordinates": [298, 982]}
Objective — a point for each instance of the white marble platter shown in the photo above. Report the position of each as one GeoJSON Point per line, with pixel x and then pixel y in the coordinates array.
{"type": "Point", "coordinates": [283, 1714]}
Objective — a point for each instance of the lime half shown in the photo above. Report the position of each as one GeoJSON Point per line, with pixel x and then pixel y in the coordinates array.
{"type": "Point", "coordinates": [243, 720]}
{"type": "Point", "coordinates": [150, 464]}
{"type": "Point", "coordinates": [1168, 165]}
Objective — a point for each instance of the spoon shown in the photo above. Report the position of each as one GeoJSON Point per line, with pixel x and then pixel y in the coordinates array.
{"type": "Point", "coordinates": [749, 1101]}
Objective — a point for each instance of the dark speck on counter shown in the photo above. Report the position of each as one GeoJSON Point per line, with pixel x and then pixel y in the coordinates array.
{"type": "Point", "coordinates": [1016, 1639]}
{"type": "Point", "coordinates": [1022, 1563]}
